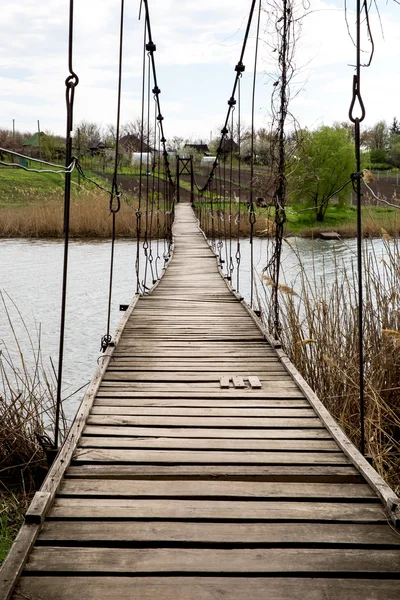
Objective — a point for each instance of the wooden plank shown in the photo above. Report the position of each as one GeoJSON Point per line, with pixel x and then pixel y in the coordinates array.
{"type": "Point", "coordinates": [170, 411]}
{"type": "Point", "coordinates": [205, 588]}
{"type": "Point", "coordinates": [222, 489]}
{"type": "Point", "coordinates": [206, 443]}
{"type": "Point", "coordinates": [175, 560]}
{"type": "Point", "coordinates": [182, 456]}
{"type": "Point", "coordinates": [301, 473]}
{"type": "Point", "coordinates": [277, 534]}
{"type": "Point", "coordinates": [195, 432]}
{"type": "Point", "coordinates": [240, 422]}
{"type": "Point", "coordinates": [204, 403]}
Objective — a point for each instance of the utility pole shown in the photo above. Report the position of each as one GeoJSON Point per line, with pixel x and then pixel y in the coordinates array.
{"type": "Point", "coordinates": [40, 147]}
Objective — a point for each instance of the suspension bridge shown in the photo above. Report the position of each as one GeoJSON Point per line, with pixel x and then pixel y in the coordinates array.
{"type": "Point", "coordinates": [200, 464]}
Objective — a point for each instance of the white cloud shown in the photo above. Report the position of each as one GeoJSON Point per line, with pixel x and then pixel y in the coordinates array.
{"type": "Point", "coordinates": [198, 44]}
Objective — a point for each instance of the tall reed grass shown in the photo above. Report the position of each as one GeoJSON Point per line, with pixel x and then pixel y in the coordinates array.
{"type": "Point", "coordinates": [319, 334]}
{"type": "Point", "coordinates": [90, 217]}
{"type": "Point", "coordinates": [27, 416]}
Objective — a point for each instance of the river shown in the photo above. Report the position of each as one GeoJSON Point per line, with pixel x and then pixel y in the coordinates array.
{"type": "Point", "coordinates": [31, 271]}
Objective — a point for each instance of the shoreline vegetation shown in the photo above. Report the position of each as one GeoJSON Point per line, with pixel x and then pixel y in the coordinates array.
{"type": "Point", "coordinates": [27, 417]}
{"type": "Point", "coordinates": [319, 334]}
{"type": "Point", "coordinates": [31, 206]}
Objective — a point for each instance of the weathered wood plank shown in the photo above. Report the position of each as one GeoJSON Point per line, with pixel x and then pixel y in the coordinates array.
{"type": "Point", "coordinates": [209, 457]}
{"type": "Point", "coordinates": [292, 473]}
{"type": "Point", "coordinates": [222, 489]}
{"type": "Point", "coordinates": [205, 588]}
{"type": "Point", "coordinates": [203, 403]}
{"type": "Point", "coordinates": [241, 422]}
{"type": "Point", "coordinates": [277, 534]}
{"type": "Point", "coordinates": [206, 443]}
{"type": "Point", "coordinates": [174, 560]}
{"type": "Point", "coordinates": [170, 411]}
{"type": "Point", "coordinates": [195, 432]}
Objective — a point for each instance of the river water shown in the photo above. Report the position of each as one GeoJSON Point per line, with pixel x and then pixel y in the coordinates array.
{"type": "Point", "coordinates": [31, 272]}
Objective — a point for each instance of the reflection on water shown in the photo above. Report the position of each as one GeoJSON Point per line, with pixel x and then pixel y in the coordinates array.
{"type": "Point", "coordinates": [319, 258]}
{"type": "Point", "coordinates": [30, 272]}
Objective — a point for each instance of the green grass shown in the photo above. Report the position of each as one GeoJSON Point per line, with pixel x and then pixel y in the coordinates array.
{"type": "Point", "coordinates": [12, 510]}
{"type": "Point", "coordinates": [19, 187]}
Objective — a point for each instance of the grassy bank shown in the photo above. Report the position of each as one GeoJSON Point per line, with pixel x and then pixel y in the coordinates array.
{"type": "Point", "coordinates": [31, 205]}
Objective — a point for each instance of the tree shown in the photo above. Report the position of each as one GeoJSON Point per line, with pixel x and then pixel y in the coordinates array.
{"type": "Point", "coordinates": [90, 134]}
{"type": "Point", "coordinates": [143, 134]}
{"type": "Point", "coordinates": [325, 160]}
{"type": "Point", "coordinates": [395, 127]}
{"type": "Point", "coordinates": [394, 151]}
{"type": "Point", "coordinates": [376, 137]}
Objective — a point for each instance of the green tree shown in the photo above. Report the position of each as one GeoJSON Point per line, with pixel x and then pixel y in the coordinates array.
{"type": "Point", "coordinates": [395, 127]}
{"type": "Point", "coordinates": [325, 160]}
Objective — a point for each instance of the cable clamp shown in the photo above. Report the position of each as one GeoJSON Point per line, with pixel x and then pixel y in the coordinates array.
{"type": "Point", "coordinates": [160, 118]}
{"type": "Point", "coordinates": [240, 67]}
{"type": "Point", "coordinates": [232, 101]}
{"type": "Point", "coordinates": [224, 130]}
{"type": "Point", "coordinates": [151, 47]}
{"type": "Point", "coordinates": [156, 90]}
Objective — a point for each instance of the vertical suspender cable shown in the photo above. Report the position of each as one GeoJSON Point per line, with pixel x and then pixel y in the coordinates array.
{"type": "Point", "coordinates": [114, 195]}
{"type": "Point", "coordinates": [238, 254]}
{"type": "Point", "coordinates": [357, 184]}
{"type": "Point", "coordinates": [138, 210]}
{"type": "Point", "coordinates": [71, 82]}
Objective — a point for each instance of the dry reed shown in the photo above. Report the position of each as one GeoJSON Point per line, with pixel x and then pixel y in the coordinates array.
{"type": "Point", "coordinates": [90, 217]}
{"type": "Point", "coordinates": [319, 334]}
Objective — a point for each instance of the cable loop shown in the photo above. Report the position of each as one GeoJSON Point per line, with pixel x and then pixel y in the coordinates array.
{"type": "Point", "coordinates": [115, 209]}
{"type": "Point", "coordinates": [356, 97]}
{"type": "Point", "coordinates": [105, 342]}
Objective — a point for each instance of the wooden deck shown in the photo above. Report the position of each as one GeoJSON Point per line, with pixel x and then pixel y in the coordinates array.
{"type": "Point", "coordinates": [180, 489]}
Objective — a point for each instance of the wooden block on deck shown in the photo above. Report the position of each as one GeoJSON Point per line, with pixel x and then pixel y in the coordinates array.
{"type": "Point", "coordinates": [238, 382]}
{"type": "Point", "coordinates": [224, 382]}
{"type": "Point", "coordinates": [255, 382]}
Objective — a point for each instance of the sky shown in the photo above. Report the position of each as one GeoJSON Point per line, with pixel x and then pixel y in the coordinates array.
{"type": "Point", "coordinates": [198, 44]}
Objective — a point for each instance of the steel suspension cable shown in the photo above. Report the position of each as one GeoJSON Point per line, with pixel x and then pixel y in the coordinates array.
{"type": "Point", "coordinates": [115, 201]}
{"type": "Point", "coordinates": [71, 82]}
{"type": "Point", "coordinates": [357, 99]}
{"type": "Point", "coordinates": [238, 252]}
{"type": "Point", "coordinates": [139, 207]}
{"type": "Point", "coordinates": [239, 69]}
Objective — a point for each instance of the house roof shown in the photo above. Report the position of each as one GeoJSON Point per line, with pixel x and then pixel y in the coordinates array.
{"type": "Point", "coordinates": [199, 148]}
{"type": "Point", "coordinates": [132, 143]}
{"type": "Point", "coordinates": [229, 145]}
{"type": "Point", "coordinates": [34, 140]}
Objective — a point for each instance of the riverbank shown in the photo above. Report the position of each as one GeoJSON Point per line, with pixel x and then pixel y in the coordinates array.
{"type": "Point", "coordinates": [91, 218]}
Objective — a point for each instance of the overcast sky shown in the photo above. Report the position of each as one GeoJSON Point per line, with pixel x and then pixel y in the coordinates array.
{"type": "Point", "coordinates": [198, 44]}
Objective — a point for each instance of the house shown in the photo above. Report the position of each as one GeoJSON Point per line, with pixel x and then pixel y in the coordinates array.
{"type": "Point", "coordinates": [200, 148]}
{"type": "Point", "coordinates": [132, 143]}
{"type": "Point", "coordinates": [34, 144]}
{"type": "Point", "coordinates": [97, 149]}
{"type": "Point", "coordinates": [229, 146]}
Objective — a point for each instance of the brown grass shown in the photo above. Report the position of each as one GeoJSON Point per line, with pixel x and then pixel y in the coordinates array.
{"type": "Point", "coordinates": [320, 337]}
{"type": "Point", "coordinates": [90, 217]}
